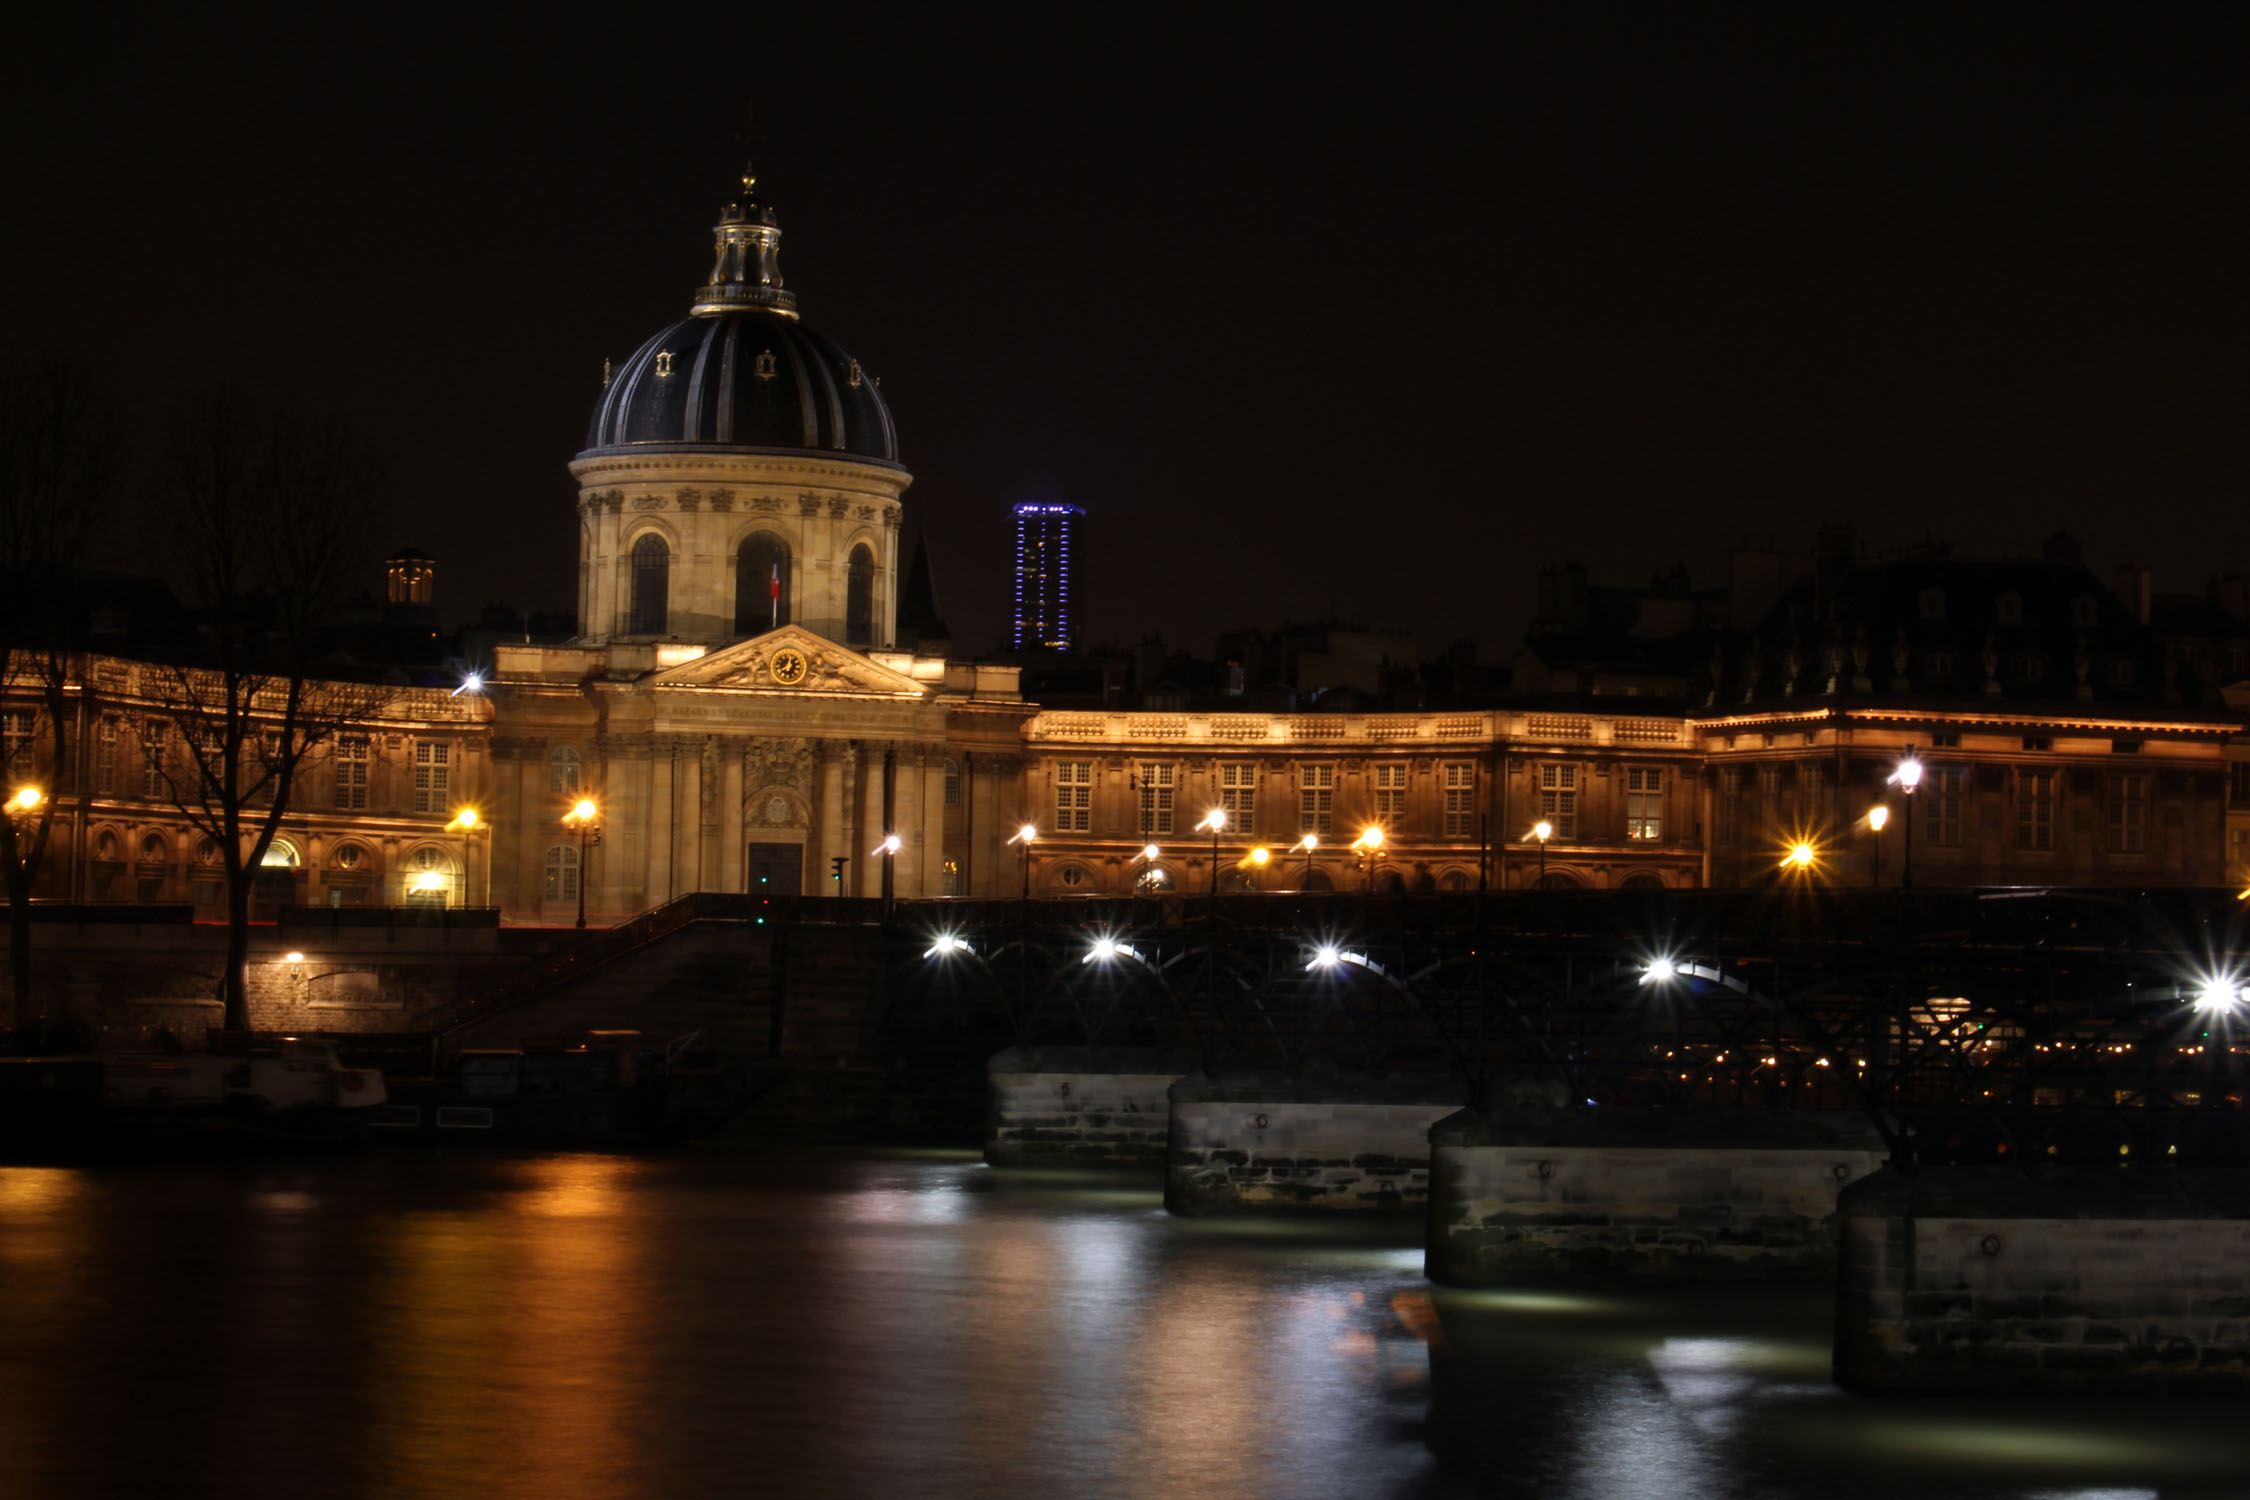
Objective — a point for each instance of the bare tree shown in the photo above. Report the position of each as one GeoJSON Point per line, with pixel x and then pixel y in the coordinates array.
{"type": "Point", "coordinates": [270, 515]}
{"type": "Point", "coordinates": [61, 439]}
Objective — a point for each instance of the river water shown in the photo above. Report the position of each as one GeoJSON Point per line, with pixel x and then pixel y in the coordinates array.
{"type": "Point", "coordinates": [728, 1320]}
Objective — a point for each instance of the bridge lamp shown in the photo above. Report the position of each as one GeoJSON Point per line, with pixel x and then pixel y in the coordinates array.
{"type": "Point", "coordinates": [1660, 970]}
{"type": "Point", "coordinates": [471, 682]}
{"type": "Point", "coordinates": [1104, 950]}
{"type": "Point", "coordinates": [2223, 992]}
{"type": "Point", "coordinates": [1325, 956]}
{"type": "Point", "coordinates": [946, 944]}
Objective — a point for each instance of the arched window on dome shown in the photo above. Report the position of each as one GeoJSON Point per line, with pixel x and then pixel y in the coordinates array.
{"type": "Point", "coordinates": [652, 584]}
{"type": "Point", "coordinates": [761, 583]}
{"type": "Point", "coordinates": [859, 598]}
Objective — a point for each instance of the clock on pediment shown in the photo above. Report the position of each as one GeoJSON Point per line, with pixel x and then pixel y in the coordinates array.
{"type": "Point", "coordinates": [787, 666]}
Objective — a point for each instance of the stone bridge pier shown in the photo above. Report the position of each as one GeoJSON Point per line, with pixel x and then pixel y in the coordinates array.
{"type": "Point", "coordinates": [1354, 1143]}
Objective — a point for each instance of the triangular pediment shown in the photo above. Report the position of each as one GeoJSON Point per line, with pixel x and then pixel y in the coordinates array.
{"type": "Point", "coordinates": [793, 661]}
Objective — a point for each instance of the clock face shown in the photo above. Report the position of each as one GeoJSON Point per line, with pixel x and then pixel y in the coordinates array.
{"type": "Point", "coordinates": [787, 666]}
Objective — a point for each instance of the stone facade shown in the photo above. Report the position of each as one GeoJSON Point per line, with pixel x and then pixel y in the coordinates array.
{"type": "Point", "coordinates": [1077, 1106]}
{"type": "Point", "coordinates": [1356, 1145]}
{"type": "Point", "coordinates": [1573, 1196]}
{"type": "Point", "coordinates": [1991, 1279]}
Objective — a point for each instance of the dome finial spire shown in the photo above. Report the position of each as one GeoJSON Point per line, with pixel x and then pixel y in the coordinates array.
{"type": "Point", "coordinates": [746, 270]}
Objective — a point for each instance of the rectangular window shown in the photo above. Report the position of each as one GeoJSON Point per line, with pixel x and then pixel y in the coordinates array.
{"type": "Point", "coordinates": [17, 726]}
{"type": "Point", "coordinates": [1769, 797]}
{"type": "Point", "coordinates": [1941, 799]}
{"type": "Point", "coordinates": [105, 755]}
{"type": "Point", "coordinates": [2128, 813]}
{"type": "Point", "coordinates": [1316, 798]}
{"type": "Point", "coordinates": [1644, 802]}
{"type": "Point", "coordinates": [1390, 795]}
{"type": "Point", "coordinates": [2238, 784]}
{"type": "Point", "coordinates": [2035, 809]}
{"type": "Point", "coordinates": [1238, 794]}
{"type": "Point", "coordinates": [1725, 809]}
{"type": "Point", "coordinates": [1074, 796]}
{"type": "Point", "coordinates": [352, 755]}
{"type": "Point", "coordinates": [1460, 799]}
{"type": "Point", "coordinates": [952, 783]}
{"type": "Point", "coordinates": [1558, 800]}
{"type": "Point", "coordinates": [433, 775]}
{"type": "Point", "coordinates": [949, 878]}
{"type": "Point", "coordinates": [1156, 799]}
{"type": "Point", "coordinates": [156, 745]}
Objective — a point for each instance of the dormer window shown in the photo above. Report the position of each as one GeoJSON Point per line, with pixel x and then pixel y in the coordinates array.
{"type": "Point", "coordinates": [2120, 673]}
{"type": "Point", "coordinates": [2031, 668]}
{"type": "Point", "coordinates": [1932, 604]}
{"type": "Point", "coordinates": [1941, 664]}
{"type": "Point", "coordinates": [664, 365]}
{"type": "Point", "coordinates": [2008, 608]}
{"type": "Point", "coordinates": [2085, 610]}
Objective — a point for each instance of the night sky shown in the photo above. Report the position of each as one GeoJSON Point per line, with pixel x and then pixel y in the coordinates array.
{"type": "Point", "coordinates": [1308, 318]}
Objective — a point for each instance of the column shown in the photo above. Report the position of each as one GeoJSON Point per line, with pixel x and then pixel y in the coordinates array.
{"type": "Point", "coordinates": [831, 831]}
{"type": "Point", "coordinates": [732, 877]}
{"type": "Point", "coordinates": [869, 880]}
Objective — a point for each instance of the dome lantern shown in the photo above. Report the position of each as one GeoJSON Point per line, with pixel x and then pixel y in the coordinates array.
{"type": "Point", "coordinates": [746, 262]}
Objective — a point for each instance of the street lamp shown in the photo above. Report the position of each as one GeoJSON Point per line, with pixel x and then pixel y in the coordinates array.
{"type": "Point", "coordinates": [1026, 836]}
{"type": "Point", "coordinates": [468, 821]}
{"type": "Point", "coordinates": [1147, 880]}
{"type": "Point", "coordinates": [1308, 843]}
{"type": "Point", "coordinates": [1259, 858]}
{"type": "Point", "coordinates": [888, 849]}
{"type": "Point", "coordinates": [1906, 778]}
{"type": "Point", "coordinates": [26, 800]}
{"type": "Point", "coordinates": [587, 819]}
{"type": "Point", "coordinates": [1878, 818]}
{"type": "Point", "coordinates": [1542, 831]}
{"type": "Point", "coordinates": [1216, 821]}
{"type": "Point", "coordinates": [1370, 846]}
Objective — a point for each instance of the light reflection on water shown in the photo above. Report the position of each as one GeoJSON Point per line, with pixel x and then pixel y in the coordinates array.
{"type": "Point", "coordinates": [728, 1321]}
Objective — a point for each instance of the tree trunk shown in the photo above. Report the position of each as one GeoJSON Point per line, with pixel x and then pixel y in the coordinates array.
{"type": "Point", "coordinates": [234, 983]}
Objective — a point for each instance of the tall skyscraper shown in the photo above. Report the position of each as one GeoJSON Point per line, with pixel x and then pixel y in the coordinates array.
{"type": "Point", "coordinates": [1042, 620]}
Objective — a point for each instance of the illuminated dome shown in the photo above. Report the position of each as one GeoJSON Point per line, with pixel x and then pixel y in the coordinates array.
{"type": "Point", "coordinates": [741, 371]}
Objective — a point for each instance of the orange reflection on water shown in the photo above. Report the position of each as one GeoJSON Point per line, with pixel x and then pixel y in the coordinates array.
{"type": "Point", "coordinates": [1200, 1384]}
{"type": "Point", "coordinates": [512, 1356]}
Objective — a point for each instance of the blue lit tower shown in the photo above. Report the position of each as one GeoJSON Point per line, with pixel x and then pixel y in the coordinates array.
{"type": "Point", "coordinates": [1042, 620]}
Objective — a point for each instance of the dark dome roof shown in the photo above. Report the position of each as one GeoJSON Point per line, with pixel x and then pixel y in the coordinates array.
{"type": "Point", "coordinates": [744, 379]}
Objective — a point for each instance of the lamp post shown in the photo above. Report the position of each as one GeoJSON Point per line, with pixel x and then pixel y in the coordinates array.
{"type": "Point", "coordinates": [1216, 821]}
{"type": "Point", "coordinates": [1259, 858]}
{"type": "Point", "coordinates": [889, 850]}
{"type": "Point", "coordinates": [1906, 778]}
{"type": "Point", "coordinates": [1542, 831]}
{"type": "Point", "coordinates": [1370, 847]}
{"type": "Point", "coordinates": [1026, 836]}
{"type": "Point", "coordinates": [1878, 818]}
{"type": "Point", "coordinates": [587, 819]}
{"type": "Point", "coordinates": [1145, 882]}
{"type": "Point", "coordinates": [1308, 843]}
{"type": "Point", "coordinates": [467, 822]}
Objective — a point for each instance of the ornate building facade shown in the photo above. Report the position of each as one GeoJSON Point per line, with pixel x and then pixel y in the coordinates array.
{"type": "Point", "coordinates": [734, 708]}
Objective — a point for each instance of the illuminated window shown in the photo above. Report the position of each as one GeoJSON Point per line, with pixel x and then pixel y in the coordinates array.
{"type": "Point", "coordinates": [353, 753]}
{"type": "Point", "coordinates": [1940, 797]}
{"type": "Point", "coordinates": [105, 754]}
{"type": "Point", "coordinates": [1390, 794]}
{"type": "Point", "coordinates": [433, 776]}
{"type": "Point", "coordinates": [1074, 796]}
{"type": "Point", "coordinates": [1644, 802]}
{"type": "Point", "coordinates": [652, 582]}
{"type": "Point", "coordinates": [1155, 783]}
{"type": "Point", "coordinates": [428, 877]}
{"type": "Point", "coordinates": [1238, 794]}
{"type": "Point", "coordinates": [952, 782]}
{"type": "Point", "coordinates": [1460, 799]}
{"type": "Point", "coordinates": [2035, 809]}
{"type": "Point", "coordinates": [1558, 799]}
{"type": "Point", "coordinates": [348, 857]}
{"type": "Point", "coordinates": [2128, 813]}
{"type": "Point", "coordinates": [859, 598]}
{"type": "Point", "coordinates": [16, 728]}
{"type": "Point", "coordinates": [156, 748]}
{"type": "Point", "coordinates": [562, 771]}
{"type": "Point", "coordinates": [949, 878]}
{"type": "Point", "coordinates": [1316, 798]}
{"type": "Point", "coordinates": [761, 584]}
{"type": "Point", "coordinates": [562, 872]}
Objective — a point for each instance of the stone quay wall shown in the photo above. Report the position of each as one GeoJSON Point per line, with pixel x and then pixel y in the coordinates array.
{"type": "Point", "coordinates": [1349, 1144]}
{"type": "Point", "coordinates": [1081, 1106]}
{"type": "Point", "coordinates": [1987, 1279]}
{"type": "Point", "coordinates": [1541, 1194]}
